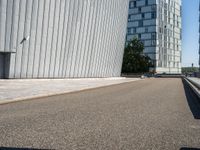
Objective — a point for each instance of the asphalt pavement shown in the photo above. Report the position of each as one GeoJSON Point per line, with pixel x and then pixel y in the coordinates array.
{"type": "Point", "coordinates": [151, 114]}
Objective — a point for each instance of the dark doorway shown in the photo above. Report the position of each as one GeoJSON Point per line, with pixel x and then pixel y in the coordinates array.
{"type": "Point", "coordinates": [4, 65]}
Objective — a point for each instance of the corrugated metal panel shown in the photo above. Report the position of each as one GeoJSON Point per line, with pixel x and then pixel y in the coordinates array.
{"type": "Point", "coordinates": [3, 6]}
{"type": "Point", "coordinates": [68, 38]}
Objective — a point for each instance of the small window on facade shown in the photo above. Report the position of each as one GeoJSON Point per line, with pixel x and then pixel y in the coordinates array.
{"type": "Point", "coordinates": [139, 9]}
{"type": "Point", "coordinates": [153, 36]}
{"type": "Point", "coordinates": [131, 31]}
{"type": "Point", "coordinates": [143, 15]}
{"type": "Point", "coordinates": [130, 3]}
{"type": "Point", "coordinates": [153, 15]}
{"type": "Point", "coordinates": [139, 36]}
{"type": "Point", "coordinates": [153, 7]}
{"type": "Point", "coordinates": [153, 42]}
{"type": "Point", "coordinates": [140, 23]}
{"type": "Point", "coordinates": [146, 30]}
{"type": "Point", "coordinates": [134, 3]}
{"type": "Point", "coordinates": [129, 17]}
{"type": "Point", "coordinates": [146, 2]}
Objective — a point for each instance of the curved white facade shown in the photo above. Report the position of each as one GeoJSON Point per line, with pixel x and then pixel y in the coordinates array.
{"type": "Point", "coordinates": [67, 38]}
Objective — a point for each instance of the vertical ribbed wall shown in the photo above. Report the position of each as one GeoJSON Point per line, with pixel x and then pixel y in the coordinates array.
{"type": "Point", "coordinates": [68, 38]}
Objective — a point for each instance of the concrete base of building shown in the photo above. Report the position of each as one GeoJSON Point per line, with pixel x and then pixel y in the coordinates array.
{"type": "Point", "coordinates": [169, 70]}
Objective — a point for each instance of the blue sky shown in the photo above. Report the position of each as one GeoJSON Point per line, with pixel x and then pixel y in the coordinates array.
{"type": "Point", "coordinates": [190, 33]}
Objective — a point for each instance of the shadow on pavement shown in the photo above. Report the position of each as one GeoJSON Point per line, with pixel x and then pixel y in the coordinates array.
{"type": "Point", "coordinates": [193, 101]}
{"type": "Point", "coordinates": [186, 148]}
{"type": "Point", "coordinates": [13, 148]}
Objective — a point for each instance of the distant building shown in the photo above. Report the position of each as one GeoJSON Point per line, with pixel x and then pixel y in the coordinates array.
{"type": "Point", "coordinates": [157, 23]}
{"type": "Point", "coordinates": [62, 38]}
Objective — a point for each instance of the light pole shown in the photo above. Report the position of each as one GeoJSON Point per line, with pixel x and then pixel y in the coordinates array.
{"type": "Point", "coordinates": [22, 41]}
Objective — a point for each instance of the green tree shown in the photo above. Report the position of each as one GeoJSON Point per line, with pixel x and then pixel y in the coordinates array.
{"type": "Point", "coordinates": [134, 60]}
{"type": "Point", "coordinates": [186, 70]}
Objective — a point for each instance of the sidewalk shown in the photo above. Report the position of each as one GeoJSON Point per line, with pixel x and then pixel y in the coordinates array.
{"type": "Point", "coordinates": [17, 90]}
{"type": "Point", "coordinates": [196, 80]}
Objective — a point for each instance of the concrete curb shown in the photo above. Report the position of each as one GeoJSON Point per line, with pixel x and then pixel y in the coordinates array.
{"type": "Point", "coordinates": [20, 99]}
{"type": "Point", "coordinates": [193, 86]}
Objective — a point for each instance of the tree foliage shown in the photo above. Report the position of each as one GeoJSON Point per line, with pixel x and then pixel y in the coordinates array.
{"type": "Point", "coordinates": [134, 60]}
{"type": "Point", "coordinates": [186, 70]}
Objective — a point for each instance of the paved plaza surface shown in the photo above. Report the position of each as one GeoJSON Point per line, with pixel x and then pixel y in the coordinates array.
{"type": "Point", "coordinates": [154, 114]}
{"type": "Point", "coordinates": [17, 90]}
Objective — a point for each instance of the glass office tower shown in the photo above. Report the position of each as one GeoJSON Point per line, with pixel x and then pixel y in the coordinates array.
{"type": "Point", "coordinates": [157, 23]}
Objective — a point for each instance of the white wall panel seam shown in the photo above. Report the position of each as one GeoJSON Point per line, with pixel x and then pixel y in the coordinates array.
{"type": "Point", "coordinates": [91, 66]}
{"type": "Point", "coordinates": [39, 31]}
{"type": "Point", "coordinates": [49, 38]}
{"type": "Point", "coordinates": [87, 40]}
{"type": "Point", "coordinates": [74, 68]}
{"type": "Point", "coordinates": [76, 40]}
{"type": "Point", "coordinates": [44, 38]}
{"type": "Point", "coordinates": [100, 39]}
{"type": "Point", "coordinates": [116, 42]}
{"type": "Point", "coordinates": [14, 36]}
{"type": "Point", "coordinates": [88, 15]}
{"type": "Point", "coordinates": [34, 40]}
{"type": "Point", "coordinates": [8, 25]}
{"type": "Point", "coordinates": [49, 50]}
{"type": "Point", "coordinates": [80, 39]}
{"type": "Point", "coordinates": [71, 40]}
{"type": "Point", "coordinates": [108, 42]}
{"type": "Point", "coordinates": [64, 36]}
{"type": "Point", "coordinates": [80, 61]}
{"type": "Point", "coordinates": [27, 44]}
{"type": "Point", "coordinates": [89, 52]}
{"type": "Point", "coordinates": [68, 36]}
{"type": "Point", "coordinates": [54, 38]}
{"type": "Point", "coordinates": [3, 25]}
{"type": "Point", "coordinates": [104, 47]}
{"type": "Point", "coordinates": [21, 35]}
{"type": "Point", "coordinates": [104, 39]}
{"type": "Point", "coordinates": [59, 38]}
{"type": "Point", "coordinates": [17, 41]}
